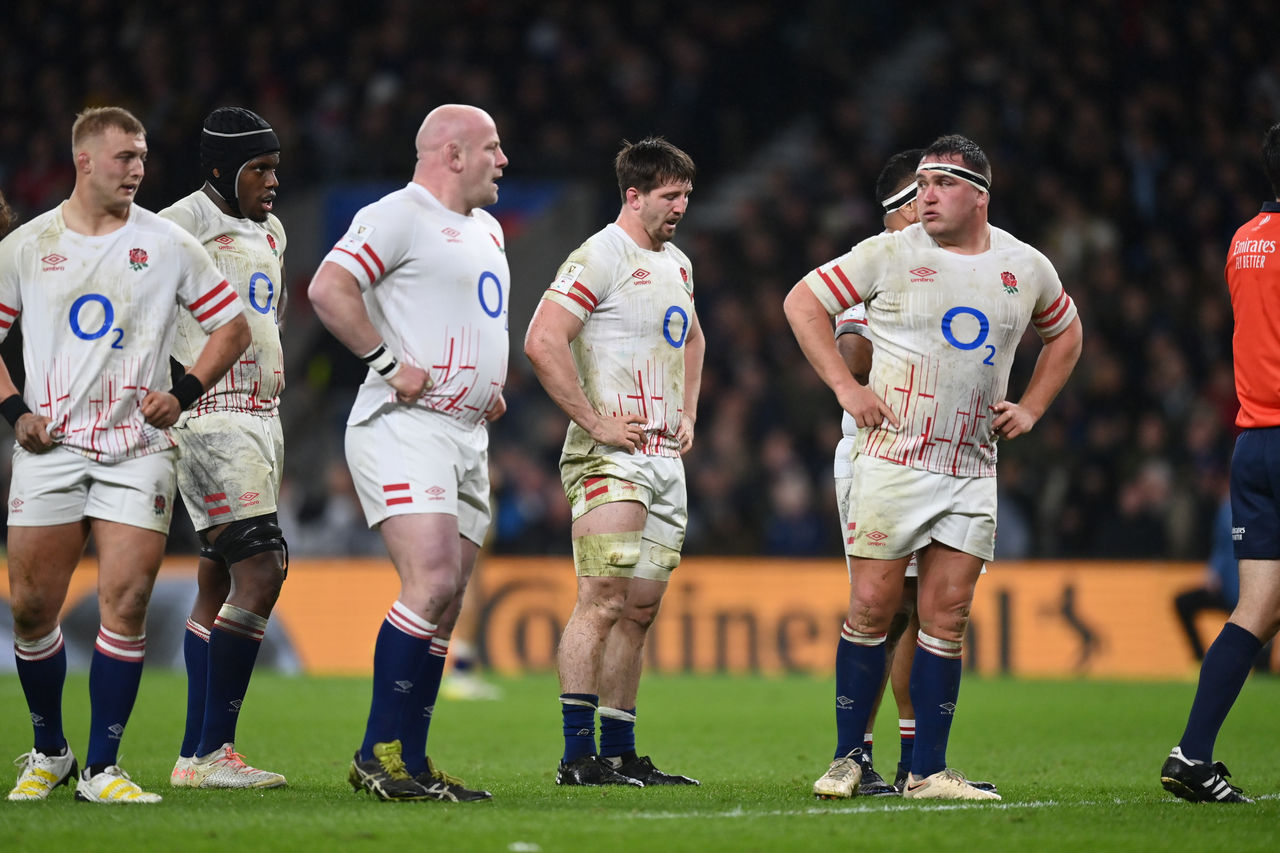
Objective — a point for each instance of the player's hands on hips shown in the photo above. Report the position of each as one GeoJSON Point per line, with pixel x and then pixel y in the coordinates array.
{"type": "Point", "coordinates": [684, 433]}
{"type": "Point", "coordinates": [1011, 420]}
{"type": "Point", "coordinates": [865, 407]}
{"type": "Point", "coordinates": [161, 409]}
{"type": "Point", "coordinates": [625, 431]}
{"type": "Point", "coordinates": [410, 382]}
{"type": "Point", "coordinates": [497, 410]}
{"type": "Point", "coordinates": [32, 433]}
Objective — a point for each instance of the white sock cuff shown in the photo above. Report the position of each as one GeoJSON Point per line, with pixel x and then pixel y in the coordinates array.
{"type": "Point", "coordinates": [942, 648]}
{"type": "Point", "coordinates": [848, 634]}
{"type": "Point", "coordinates": [39, 649]}
{"type": "Point", "coordinates": [237, 620]}
{"type": "Point", "coordinates": [617, 714]}
{"type": "Point", "coordinates": [907, 728]}
{"type": "Point", "coordinates": [401, 617]}
{"type": "Point", "coordinates": [121, 646]}
{"type": "Point", "coordinates": [439, 647]}
{"type": "Point", "coordinates": [199, 630]}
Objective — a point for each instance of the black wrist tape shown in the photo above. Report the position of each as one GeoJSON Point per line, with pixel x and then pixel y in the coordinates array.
{"type": "Point", "coordinates": [13, 407]}
{"type": "Point", "coordinates": [188, 389]}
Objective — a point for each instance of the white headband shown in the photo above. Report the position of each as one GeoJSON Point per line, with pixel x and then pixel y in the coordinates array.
{"type": "Point", "coordinates": [901, 198]}
{"type": "Point", "coordinates": [967, 175]}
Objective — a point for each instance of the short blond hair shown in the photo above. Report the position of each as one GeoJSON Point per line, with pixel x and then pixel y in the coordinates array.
{"type": "Point", "coordinates": [95, 120]}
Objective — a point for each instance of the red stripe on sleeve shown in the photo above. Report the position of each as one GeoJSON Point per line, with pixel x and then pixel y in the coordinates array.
{"type": "Point", "coordinates": [203, 299]}
{"type": "Point", "coordinates": [395, 487]}
{"type": "Point", "coordinates": [1053, 307]}
{"type": "Point", "coordinates": [382, 270]}
{"type": "Point", "coordinates": [835, 291]}
{"type": "Point", "coordinates": [231, 297]}
{"type": "Point", "coordinates": [12, 312]}
{"type": "Point", "coordinates": [591, 297]}
{"type": "Point", "coordinates": [359, 260]}
{"type": "Point", "coordinates": [578, 299]}
{"type": "Point", "coordinates": [847, 284]}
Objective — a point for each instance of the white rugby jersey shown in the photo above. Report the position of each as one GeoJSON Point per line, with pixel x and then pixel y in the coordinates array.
{"type": "Point", "coordinates": [98, 321]}
{"type": "Point", "coordinates": [250, 255]}
{"type": "Point", "coordinates": [945, 327]}
{"type": "Point", "coordinates": [436, 286]}
{"type": "Point", "coordinates": [636, 306]}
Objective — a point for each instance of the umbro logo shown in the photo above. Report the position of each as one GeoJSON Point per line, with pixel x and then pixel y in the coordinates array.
{"type": "Point", "coordinates": [876, 537]}
{"type": "Point", "coordinates": [235, 705]}
{"type": "Point", "coordinates": [923, 274]}
{"type": "Point", "coordinates": [453, 235]}
{"type": "Point", "coordinates": [16, 504]}
{"type": "Point", "coordinates": [844, 703]}
{"type": "Point", "coordinates": [117, 730]}
{"type": "Point", "coordinates": [224, 240]}
{"type": "Point", "coordinates": [948, 709]}
{"type": "Point", "coordinates": [436, 493]}
{"type": "Point", "coordinates": [404, 686]}
{"type": "Point", "coordinates": [640, 276]}
{"type": "Point", "coordinates": [53, 263]}
{"type": "Point", "coordinates": [249, 498]}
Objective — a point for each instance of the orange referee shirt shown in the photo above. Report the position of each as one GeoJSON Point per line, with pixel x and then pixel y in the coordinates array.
{"type": "Point", "coordinates": [1253, 276]}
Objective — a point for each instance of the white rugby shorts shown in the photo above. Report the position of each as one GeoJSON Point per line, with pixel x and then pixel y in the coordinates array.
{"type": "Point", "coordinates": [230, 466]}
{"type": "Point", "coordinates": [612, 474]}
{"type": "Point", "coordinates": [895, 510]}
{"type": "Point", "coordinates": [406, 460]}
{"type": "Point", "coordinates": [62, 486]}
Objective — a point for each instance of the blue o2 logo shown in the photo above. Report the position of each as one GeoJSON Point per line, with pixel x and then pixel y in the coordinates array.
{"type": "Point", "coordinates": [675, 310]}
{"type": "Point", "coordinates": [257, 281]}
{"type": "Point", "coordinates": [108, 317]}
{"type": "Point", "coordinates": [984, 327]}
{"type": "Point", "coordinates": [488, 294]}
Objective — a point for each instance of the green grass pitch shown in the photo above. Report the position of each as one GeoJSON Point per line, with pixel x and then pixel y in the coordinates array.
{"type": "Point", "coordinates": [1077, 762]}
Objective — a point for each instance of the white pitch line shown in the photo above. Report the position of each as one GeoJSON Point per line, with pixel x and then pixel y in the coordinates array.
{"type": "Point", "coordinates": [896, 807]}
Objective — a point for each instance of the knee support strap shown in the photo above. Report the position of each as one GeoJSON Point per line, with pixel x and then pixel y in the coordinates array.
{"type": "Point", "coordinates": [607, 555]}
{"type": "Point", "coordinates": [246, 537]}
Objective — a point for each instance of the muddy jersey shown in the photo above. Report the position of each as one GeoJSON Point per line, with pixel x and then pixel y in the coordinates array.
{"type": "Point", "coordinates": [636, 306]}
{"type": "Point", "coordinates": [436, 286]}
{"type": "Point", "coordinates": [98, 316]}
{"type": "Point", "coordinates": [250, 255]}
{"type": "Point", "coordinates": [945, 327]}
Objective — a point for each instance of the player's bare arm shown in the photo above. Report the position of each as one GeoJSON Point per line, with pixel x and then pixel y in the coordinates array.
{"type": "Point", "coordinates": [30, 430]}
{"type": "Point", "coordinates": [856, 351]}
{"type": "Point", "coordinates": [1058, 357]}
{"type": "Point", "coordinates": [335, 295]}
{"type": "Point", "coordinates": [226, 344]}
{"type": "Point", "coordinates": [546, 344]}
{"type": "Point", "coordinates": [695, 350]}
{"type": "Point", "coordinates": [811, 325]}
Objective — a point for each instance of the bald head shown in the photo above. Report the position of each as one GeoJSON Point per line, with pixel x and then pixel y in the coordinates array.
{"type": "Point", "coordinates": [457, 123]}
{"type": "Point", "coordinates": [459, 157]}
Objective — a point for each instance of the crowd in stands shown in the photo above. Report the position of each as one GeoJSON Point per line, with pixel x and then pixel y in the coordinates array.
{"type": "Point", "coordinates": [1124, 139]}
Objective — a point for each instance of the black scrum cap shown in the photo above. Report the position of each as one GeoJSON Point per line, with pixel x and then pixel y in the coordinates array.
{"type": "Point", "coordinates": [231, 137]}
